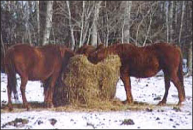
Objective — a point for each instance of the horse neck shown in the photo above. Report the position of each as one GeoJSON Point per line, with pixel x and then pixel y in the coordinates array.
{"type": "Point", "coordinates": [65, 59]}
{"type": "Point", "coordinates": [113, 50]}
{"type": "Point", "coordinates": [70, 53]}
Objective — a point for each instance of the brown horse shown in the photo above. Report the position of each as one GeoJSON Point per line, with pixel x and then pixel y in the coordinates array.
{"type": "Point", "coordinates": [143, 62]}
{"type": "Point", "coordinates": [85, 49]}
{"type": "Point", "coordinates": [35, 63]}
{"type": "Point", "coordinates": [88, 49]}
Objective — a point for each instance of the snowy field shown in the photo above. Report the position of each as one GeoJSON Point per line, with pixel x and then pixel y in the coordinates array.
{"type": "Point", "coordinates": [148, 90]}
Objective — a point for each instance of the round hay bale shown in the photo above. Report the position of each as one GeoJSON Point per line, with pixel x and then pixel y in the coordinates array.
{"type": "Point", "coordinates": [90, 84]}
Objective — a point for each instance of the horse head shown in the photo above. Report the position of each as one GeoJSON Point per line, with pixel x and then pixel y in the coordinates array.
{"type": "Point", "coordinates": [97, 56]}
{"type": "Point", "coordinates": [85, 49]}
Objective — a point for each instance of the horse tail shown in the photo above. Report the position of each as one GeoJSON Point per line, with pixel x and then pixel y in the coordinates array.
{"type": "Point", "coordinates": [180, 72]}
{"type": "Point", "coordinates": [11, 73]}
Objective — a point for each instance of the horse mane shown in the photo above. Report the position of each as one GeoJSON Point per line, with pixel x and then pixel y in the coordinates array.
{"type": "Point", "coordinates": [85, 49]}
{"type": "Point", "coordinates": [116, 49]}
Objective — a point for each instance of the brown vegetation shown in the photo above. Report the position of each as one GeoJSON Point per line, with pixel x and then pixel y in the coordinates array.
{"type": "Point", "coordinates": [91, 85]}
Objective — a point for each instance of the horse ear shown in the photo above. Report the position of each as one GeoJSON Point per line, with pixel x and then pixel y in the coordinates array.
{"type": "Point", "coordinates": [62, 51]}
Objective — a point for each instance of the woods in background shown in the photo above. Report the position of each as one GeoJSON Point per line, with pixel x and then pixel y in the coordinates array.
{"type": "Point", "coordinates": [74, 23]}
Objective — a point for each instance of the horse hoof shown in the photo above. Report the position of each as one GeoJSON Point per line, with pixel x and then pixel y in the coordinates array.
{"type": "Point", "coordinates": [180, 104]}
{"type": "Point", "coordinates": [49, 105]}
{"type": "Point", "coordinates": [10, 108]}
{"type": "Point", "coordinates": [127, 102]}
{"type": "Point", "coordinates": [124, 102]}
{"type": "Point", "coordinates": [28, 108]}
{"type": "Point", "coordinates": [161, 104]}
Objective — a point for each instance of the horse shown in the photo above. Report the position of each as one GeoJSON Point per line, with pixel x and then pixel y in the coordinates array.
{"type": "Point", "coordinates": [35, 63]}
{"type": "Point", "coordinates": [88, 49]}
{"type": "Point", "coordinates": [147, 61]}
{"type": "Point", "coordinates": [85, 49]}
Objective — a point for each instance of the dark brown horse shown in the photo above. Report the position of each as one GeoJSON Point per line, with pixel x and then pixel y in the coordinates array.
{"type": "Point", "coordinates": [143, 62]}
{"type": "Point", "coordinates": [35, 63]}
{"type": "Point", "coordinates": [88, 49]}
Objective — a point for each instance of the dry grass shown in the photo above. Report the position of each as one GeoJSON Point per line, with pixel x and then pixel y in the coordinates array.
{"type": "Point", "coordinates": [114, 105]}
{"type": "Point", "coordinates": [90, 85]}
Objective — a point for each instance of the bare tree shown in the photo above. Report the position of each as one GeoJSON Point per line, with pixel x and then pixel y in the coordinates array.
{"type": "Point", "coordinates": [82, 24]}
{"type": "Point", "coordinates": [171, 19]}
{"type": "Point", "coordinates": [38, 21]}
{"type": "Point", "coordinates": [152, 12]}
{"type": "Point", "coordinates": [167, 20]}
{"type": "Point", "coordinates": [176, 16]}
{"type": "Point", "coordinates": [48, 26]}
{"type": "Point", "coordinates": [181, 23]}
{"type": "Point", "coordinates": [70, 24]}
{"type": "Point", "coordinates": [90, 22]}
{"type": "Point", "coordinates": [190, 59]}
{"type": "Point", "coordinates": [94, 39]}
{"type": "Point", "coordinates": [126, 21]}
{"type": "Point", "coordinates": [27, 22]}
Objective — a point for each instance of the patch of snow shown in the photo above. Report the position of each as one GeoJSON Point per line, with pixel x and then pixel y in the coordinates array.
{"type": "Point", "coordinates": [143, 90]}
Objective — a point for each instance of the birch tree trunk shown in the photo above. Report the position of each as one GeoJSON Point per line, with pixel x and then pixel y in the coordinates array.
{"type": "Point", "coordinates": [190, 60]}
{"type": "Point", "coordinates": [148, 30]}
{"type": "Point", "coordinates": [107, 36]}
{"type": "Point", "coordinates": [71, 27]}
{"type": "Point", "coordinates": [126, 23]}
{"type": "Point", "coordinates": [38, 21]}
{"type": "Point", "coordinates": [87, 30]}
{"type": "Point", "coordinates": [171, 21]}
{"type": "Point", "coordinates": [48, 26]}
{"type": "Point", "coordinates": [94, 35]}
{"type": "Point", "coordinates": [176, 14]}
{"type": "Point", "coordinates": [27, 22]}
{"type": "Point", "coordinates": [167, 21]}
{"type": "Point", "coordinates": [82, 24]}
{"type": "Point", "coordinates": [181, 24]}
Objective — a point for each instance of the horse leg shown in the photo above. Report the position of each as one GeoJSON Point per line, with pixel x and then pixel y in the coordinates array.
{"type": "Point", "coordinates": [23, 88]}
{"type": "Point", "coordinates": [167, 86]}
{"type": "Point", "coordinates": [46, 87]}
{"type": "Point", "coordinates": [9, 99]}
{"type": "Point", "coordinates": [177, 84]}
{"type": "Point", "coordinates": [127, 84]}
{"type": "Point", "coordinates": [50, 90]}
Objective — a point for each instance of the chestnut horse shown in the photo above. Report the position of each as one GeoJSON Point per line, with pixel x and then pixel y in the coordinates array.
{"type": "Point", "coordinates": [88, 49]}
{"type": "Point", "coordinates": [85, 49]}
{"type": "Point", "coordinates": [143, 62]}
{"type": "Point", "coordinates": [35, 63]}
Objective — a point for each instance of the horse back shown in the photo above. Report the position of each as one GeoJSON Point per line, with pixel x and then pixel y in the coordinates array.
{"type": "Point", "coordinates": [49, 59]}
{"type": "Point", "coordinates": [21, 54]}
{"type": "Point", "coordinates": [169, 55]}
{"type": "Point", "coordinates": [36, 63]}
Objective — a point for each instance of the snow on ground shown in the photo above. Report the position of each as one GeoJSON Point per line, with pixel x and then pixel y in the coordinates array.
{"type": "Point", "coordinates": [144, 90]}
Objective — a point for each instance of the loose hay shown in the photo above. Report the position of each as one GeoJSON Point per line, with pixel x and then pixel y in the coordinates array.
{"type": "Point", "coordinates": [89, 84]}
